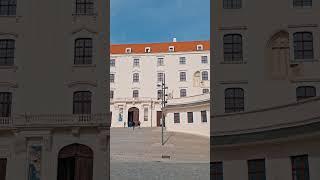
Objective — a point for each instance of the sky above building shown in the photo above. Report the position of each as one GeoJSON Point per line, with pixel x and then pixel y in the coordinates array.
{"type": "Point", "coordinates": [147, 21]}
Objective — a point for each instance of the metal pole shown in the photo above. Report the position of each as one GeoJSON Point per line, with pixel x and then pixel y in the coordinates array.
{"type": "Point", "coordinates": [164, 104]}
{"type": "Point", "coordinates": [162, 85]}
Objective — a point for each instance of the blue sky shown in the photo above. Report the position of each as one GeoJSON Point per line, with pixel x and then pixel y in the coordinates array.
{"type": "Point", "coordinates": [143, 21]}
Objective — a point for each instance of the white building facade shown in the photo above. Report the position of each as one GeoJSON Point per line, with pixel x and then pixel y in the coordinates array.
{"type": "Point", "coordinates": [136, 70]}
{"type": "Point", "coordinates": [265, 89]}
{"type": "Point", "coordinates": [53, 122]}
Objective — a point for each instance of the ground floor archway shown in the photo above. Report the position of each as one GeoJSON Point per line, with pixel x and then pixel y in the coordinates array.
{"type": "Point", "coordinates": [75, 162]}
{"type": "Point", "coordinates": [133, 117]}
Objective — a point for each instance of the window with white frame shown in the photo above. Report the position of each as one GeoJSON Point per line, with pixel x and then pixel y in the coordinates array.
{"type": "Point", "coordinates": [147, 50]}
{"type": "Point", "coordinates": [128, 50]}
{"type": "Point", "coordinates": [145, 117]}
{"type": "Point", "coordinates": [112, 62]}
{"type": "Point", "coordinates": [135, 93]}
{"type": "Point", "coordinates": [160, 61]}
{"type": "Point", "coordinates": [135, 77]}
{"type": "Point", "coordinates": [182, 60]}
{"type": "Point", "coordinates": [160, 76]}
{"type": "Point", "coordinates": [183, 92]}
{"type": "Point", "coordinates": [205, 75]}
{"type": "Point", "coordinates": [136, 62]}
{"type": "Point", "coordinates": [183, 76]}
{"type": "Point", "coordinates": [160, 94]}
{"type": "Point", "coordinates": [190, 117]}
{"type": "Point", "coordinates": [205, 91]}
{"type": "Point", "coordinates": [176, 118]}
{"type": "Point", "coordinates": [199, 47]}
{"type": "Point", "coordinates": [171, 48]}
{"type": "Point", "coordinates": [112, 76]}
{"type": "Point", "coordinates": [204, 59]}
{"type": "Point", "coordinates": [204, 116]}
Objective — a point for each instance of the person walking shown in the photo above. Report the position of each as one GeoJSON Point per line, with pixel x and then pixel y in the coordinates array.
{"type": "Point", "coordinates": [133, 125]}
{"type": "Point", "coordinates": [139, 124]}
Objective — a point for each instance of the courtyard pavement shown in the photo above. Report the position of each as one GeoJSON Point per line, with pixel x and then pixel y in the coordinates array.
{"type": "Point", "coordinates": [138, 155]}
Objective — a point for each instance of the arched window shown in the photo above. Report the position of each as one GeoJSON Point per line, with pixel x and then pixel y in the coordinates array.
{"type": "Point", "coordinates": [232, 46]}
{"type": "Point", "coordinates": [82, 102]}
{"type": "Point", "coordinates": [83, 51]}
{"type": "Point", "coordinates": [7, 51]}
{"type": "Point", "coordinates": [205, 75]}
{"type": "Point", "coordinates": [234, 100]}
{"type": "Point", "coordinates": [303, 45]}
{"type": "Point", "coordinates": [84, 7]}
{"type": "Point", "coordinates": [75, 162]}
{"type": "Point", "coordinates": [136, 77]}
{"type": "Point", "coordinates": [304, 92]}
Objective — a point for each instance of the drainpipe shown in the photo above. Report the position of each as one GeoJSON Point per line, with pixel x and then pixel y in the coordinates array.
{"type": "Point", "coordinates": [151, 112]}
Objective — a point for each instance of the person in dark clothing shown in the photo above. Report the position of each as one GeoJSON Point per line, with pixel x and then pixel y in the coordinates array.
{"type": "Point", "coordinates": [139, 124]}
{"type": "Point", "coordinates": [133, 125]}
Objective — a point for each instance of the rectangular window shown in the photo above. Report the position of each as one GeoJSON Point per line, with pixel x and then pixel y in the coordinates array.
{"type": "Point", "coordinates": [5, 104]}
{"type": "Point", "coordinates": [7, 51]}
{"type": "Point", "coordinates": [82, 102]}
{"type": "Point", "coordinates": [135, 94]}
{"type": "Point", "coordinates": [160, 62]}
{"type": "Point", "coordinates": [256, 169]}
{"type": "Point", "coordinates": [204, 59]}
{"type": "Point", "coordinates": [182, 60]}
{"type": "Point", "coordinates": [203, 116]}
{"type": "Point", "coordinates": [232, 4]}
{"type": "Point", "coordinates": [160, 94]}
{"type": "Point", "coordinates": [300, 167]}
{"type": "Point", "coordinates": [216, 170]}
{"type": "Point", "coordinates": [190, 117]}
{"type": "Point", "coordinates": [183, 76]}
{"type": "Point", "coordinates": [112, 78]}
{"type": "Point", "coordinates": [83, 51]}
{"type": "Point", "coordinates": [136, 77]}
{"type": "Point", "coordinates": [135, 62]}
{"type": "Point", "coordinates": [176, 117]}
{"type": "Point", "coordinates": [232, 47]}
{"type": "Point", "coordinates": [8, 7]}
{"type": "Point", "coordinates": [145, 114]}
{"type": "Point", "coordinates": [205, 91]}
{"type": "Point", "coordinates": [303, 45]}
{"type": "Point", "coordinates": [84, 7]}
{"type": "Point", "coordinates": [112, 62]}
{"type": "Point", "coordinates": [160, 77]}
{"type": "Point", "coordinates": [111, 94]}
{"type": "Point", "coordinates": [302, 3]}
{"type": "Point", "coordinates": [183, 92]}
{"type": "Point", "coordinates": [3, 168]}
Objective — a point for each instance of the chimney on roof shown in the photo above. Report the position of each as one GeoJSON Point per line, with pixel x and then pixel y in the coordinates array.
{"type": "Point", "coordinates": [174, 40]}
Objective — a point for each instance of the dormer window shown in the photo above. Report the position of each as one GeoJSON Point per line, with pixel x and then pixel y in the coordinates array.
{"type": "Point", "coordinates": [171, 48]}
{"type": "Point", "coordinates": [199, 47]}
{"type": "Point", "coordinates": [147, 50]}
{"type": "Point", "coordinates": [128, 50]}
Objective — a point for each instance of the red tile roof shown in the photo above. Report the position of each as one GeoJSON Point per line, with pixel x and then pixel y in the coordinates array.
{"type": "Point", "coordinates": [186, 46]}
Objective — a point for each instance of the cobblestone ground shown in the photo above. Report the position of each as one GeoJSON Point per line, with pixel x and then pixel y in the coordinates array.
{"type": "Point", "coordinates": [137, 155]}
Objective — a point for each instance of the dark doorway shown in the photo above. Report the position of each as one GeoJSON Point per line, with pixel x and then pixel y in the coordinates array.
{"type": "Point", "coordinates": [75, 162]}
{"type": "Point", "coordinates": [133, 116]}
{"type": "Point", "coordinates": [159, 116]}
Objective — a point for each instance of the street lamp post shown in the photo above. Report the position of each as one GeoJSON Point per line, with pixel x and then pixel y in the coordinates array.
{"type": "Point", "coordinates": [163, 104]}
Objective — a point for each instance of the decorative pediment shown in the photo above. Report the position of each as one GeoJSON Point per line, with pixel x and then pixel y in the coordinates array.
{"type": "Point", "coordinates": [85, 30]}
{"type": "Point", "coordinates": [9, 34]}
{"type": "Point", "coordinates": [86, 83]}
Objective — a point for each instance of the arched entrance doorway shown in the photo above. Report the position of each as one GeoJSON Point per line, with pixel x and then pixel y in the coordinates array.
{"type": "Point", "coordinates": [75, 162]}
{"type": "Point", "coordinates": [133, 116]}
{"type": "Point", "coordinates": [278, 55]}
